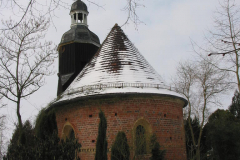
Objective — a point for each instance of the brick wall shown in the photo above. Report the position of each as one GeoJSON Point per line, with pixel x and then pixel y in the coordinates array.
{"type": "Point", "coordinates": [161, 114]}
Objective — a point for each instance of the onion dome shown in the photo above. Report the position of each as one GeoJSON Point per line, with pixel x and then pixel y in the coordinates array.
{"type": "Point", "coordinates": [116, 68]}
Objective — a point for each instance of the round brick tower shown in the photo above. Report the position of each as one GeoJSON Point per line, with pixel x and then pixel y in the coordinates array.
{"type": "Point", "coordinates": [120, 82]}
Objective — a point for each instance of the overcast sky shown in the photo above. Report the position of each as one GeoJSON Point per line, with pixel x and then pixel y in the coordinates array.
{"type": "Point", "coordinates": [163, 39]}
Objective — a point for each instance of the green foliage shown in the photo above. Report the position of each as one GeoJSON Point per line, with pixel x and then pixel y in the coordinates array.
{"type": "Point", "coordinates": [223, 130]}
{"type": "Point", "coordinates": [69, 149]}
{"type": "Point", "coordinates": [45, 124]}
{"type": "Point", "coordinates": [234, 108]}
{"type": "Point", "coordinates": [120, 148]}
{"type": "Point", "coordinates": [21, 142]}
{"type": "Point", "coordinates": [46, 145]}
{"type": "Point", "coordinates": [157, 153]}
{"type": "Point", "coordinates": [101, 146]}
{"type": "Point", "coordinates": [190, 148]}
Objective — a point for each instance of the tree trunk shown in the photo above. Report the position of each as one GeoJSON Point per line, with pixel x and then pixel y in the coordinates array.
{"type": "Point", "coordinates": [198, 153]}
{"type": "Point", "coordinates": [19, 116]}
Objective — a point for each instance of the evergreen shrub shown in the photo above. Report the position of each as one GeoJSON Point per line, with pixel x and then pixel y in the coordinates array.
{"type": "Point", "coordinates": [157, 153]}
{"type": "Point", "coordinates": [101, 146]}
{"type": "Point", "coordinates": [120, 148]}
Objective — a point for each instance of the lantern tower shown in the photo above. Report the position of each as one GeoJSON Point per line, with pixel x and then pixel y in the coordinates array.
{"type": "Point", "coordinates": [77, 46]}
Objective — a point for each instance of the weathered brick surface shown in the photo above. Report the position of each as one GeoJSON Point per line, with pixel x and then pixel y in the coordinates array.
{"type": "Point", "coordinates": [163, 114]}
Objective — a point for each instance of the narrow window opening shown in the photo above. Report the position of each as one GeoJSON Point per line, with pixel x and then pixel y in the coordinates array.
{"type": "Point", "coordinates": [85, 18]}
{"type": "Point", "coordinates": [93, 141]}
{"type": "Point", "coordinates": [80, 17]}
{"type": "Point", "coordinates": [71, 134]}
{"type": "Point", "coordinates": [165, 115]}
{"type": "Point", "coordinates": [65, 119]}
{"type": "Point", "coordinates": [170, 138]}
{"type": "Point", "coordinates": [115, 114]}
{"type": "Point", "coordinates": [90, 115]}
{"type": "Point", "coordinates": [140, 140]}
{"type": "Point", "coordinates": [75, 16]}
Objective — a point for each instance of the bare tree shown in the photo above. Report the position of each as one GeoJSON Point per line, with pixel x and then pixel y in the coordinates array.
{"type": "Point", "coordinates": [225, 39]}
{"type": "Point", "coordinates": [25, 59]}
{"type": "Point", "coordinates": [131, 9]}
{"type": "Point", "coordinates": [30, 8]}
{"type": "Point", "coordinates": [47, 8]}
{"type": "Point", "coordinates": [200, 83]}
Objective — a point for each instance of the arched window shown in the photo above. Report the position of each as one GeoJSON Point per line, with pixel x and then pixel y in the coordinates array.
{"type": "Point", "coordinates": [140, 140]}
{"type": "Point", "coordinates": [141, 134]}
{"type": "Point", "coordinates": [68, 132]}
{"type": "Point", "coordinates": [71, 135]}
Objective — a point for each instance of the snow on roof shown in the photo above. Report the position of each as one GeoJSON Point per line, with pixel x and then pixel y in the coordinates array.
{"type": "Point", "coordinates": [117, 67]}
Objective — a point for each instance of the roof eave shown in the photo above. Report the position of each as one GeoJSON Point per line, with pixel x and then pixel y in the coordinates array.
{"type": "Point", "coordinates": [77, 99]}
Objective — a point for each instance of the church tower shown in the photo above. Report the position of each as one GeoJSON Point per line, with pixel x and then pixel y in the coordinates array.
{"type": "Point", "coordinates": [77, 46]}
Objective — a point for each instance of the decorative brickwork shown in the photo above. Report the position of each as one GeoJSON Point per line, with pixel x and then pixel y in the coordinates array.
{"type": "Point", "coordinates": [158, 114]}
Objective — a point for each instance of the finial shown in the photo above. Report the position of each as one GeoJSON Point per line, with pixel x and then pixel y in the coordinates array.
{"type": "Point", "coordinates": [115, 25]}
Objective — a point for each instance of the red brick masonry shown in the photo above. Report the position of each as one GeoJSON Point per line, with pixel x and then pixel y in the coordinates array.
{"type": "Point", "coordinates": [161, 115]}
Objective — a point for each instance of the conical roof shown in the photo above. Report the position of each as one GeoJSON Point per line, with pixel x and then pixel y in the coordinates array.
{"type": "Point", "coordinates": [117, 67]}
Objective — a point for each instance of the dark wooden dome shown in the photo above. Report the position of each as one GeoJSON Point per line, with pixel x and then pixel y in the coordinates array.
{"type": "Point", "coordinates": [79, 5]}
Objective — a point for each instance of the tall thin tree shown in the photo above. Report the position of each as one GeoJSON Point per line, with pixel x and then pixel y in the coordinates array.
{"type": "Point", "coordinates": [101, 146]}
{"type": "Point", "coordinates": [201, 83]}
{"type": "Point", "coordinates": [25, 60]}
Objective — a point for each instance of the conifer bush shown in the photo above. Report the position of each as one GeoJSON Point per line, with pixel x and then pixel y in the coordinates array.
{"type": "Point", "coordinates": [157, 153]}
{"type": "Point", "coordinates": [101, 146]}
{"type": "Point", "coordinates": [41, 143]}
{"type": "Point", "coordinates": [120, 147]}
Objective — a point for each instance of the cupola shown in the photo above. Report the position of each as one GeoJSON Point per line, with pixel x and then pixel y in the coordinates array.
{"type": "Point", "coordinates": [79, 13]}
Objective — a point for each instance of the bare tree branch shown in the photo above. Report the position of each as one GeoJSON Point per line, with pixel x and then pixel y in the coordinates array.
{"type": "Point", "coordinates": [225, 39]}
{"type": "Point", "coordinates": [23, 16]}
{"type": "Point", "coordinates": [24, 59]}
{"type": "Point", "coordinates": [131, 9]}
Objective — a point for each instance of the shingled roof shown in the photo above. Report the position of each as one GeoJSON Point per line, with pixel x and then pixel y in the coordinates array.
{"type": "Point", "coordinates": [117, 67]}
{"type": "Point", "coordinates": [80, 34]}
